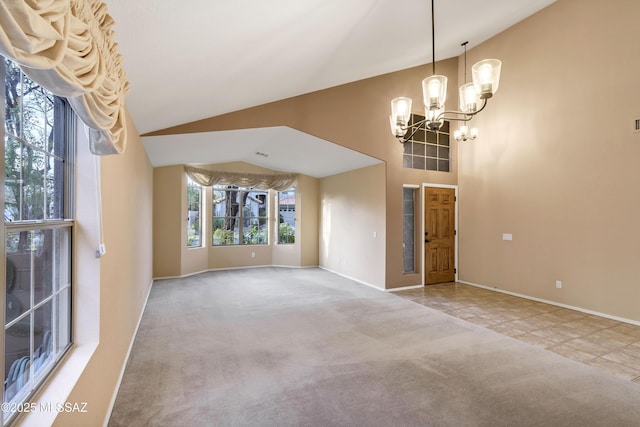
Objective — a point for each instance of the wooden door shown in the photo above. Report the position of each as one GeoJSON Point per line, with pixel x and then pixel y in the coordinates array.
{"type": "Point", "coordinates": [439, 226]}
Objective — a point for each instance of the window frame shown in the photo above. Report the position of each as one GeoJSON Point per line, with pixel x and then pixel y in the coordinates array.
{"type": "Point", "coordinates": [62, 284]}
{"type": "Point", "coordinates": [191, 185]}
{"type": "Point", "coordinates": [409, 236]}
{"type": "Point", "coordinates": [239, 218]}
{"type": "Point", "coordinates": [280, 220]}
{"type": "Point", "coordinates": [427, 149]}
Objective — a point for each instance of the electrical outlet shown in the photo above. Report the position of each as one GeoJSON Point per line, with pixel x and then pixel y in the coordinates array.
{"type": "Point", "coordinates": [253, 254]}
{"type": "Point", "coordinates": [558, 284]}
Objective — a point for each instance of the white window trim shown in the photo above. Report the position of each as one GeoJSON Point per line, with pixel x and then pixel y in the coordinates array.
{"type": "Point", "coordinates": [85, 323]}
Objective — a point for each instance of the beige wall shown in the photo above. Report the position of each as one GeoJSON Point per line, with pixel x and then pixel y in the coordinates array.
{"type": "Point", "coordinates": [352, 224]}
{"type": "Point", "coordinates": [365, 105]}
{"type": "Point", "coordinates": [167, 212]}
{"type": "Point", "coordinates": [556, 163]}
{"type": "Point", "coordinates": [308, 226]}
{"type": "Point", "coordinates": [125, 277]}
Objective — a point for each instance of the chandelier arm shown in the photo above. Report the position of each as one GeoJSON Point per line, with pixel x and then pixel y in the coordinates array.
{"type": "Point", "coordinates": [416, 127]}
{"type": "Point", "coordinates": [467, 116]}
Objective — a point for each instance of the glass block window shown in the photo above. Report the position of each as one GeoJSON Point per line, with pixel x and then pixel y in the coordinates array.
{"type": "Point", "coordinates": [427, 150]}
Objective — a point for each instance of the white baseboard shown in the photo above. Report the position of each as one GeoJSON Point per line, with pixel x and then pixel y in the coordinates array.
{"type": "Point", "coordinates": [404, 288]}
{"type": "Point", "coordinates": [352, 278]}
{"type": "Point", "coordinates": [570, 307]}
{"type": "Point", "coordinates": [293, 266]}
{"type": "Point", "coordinates": [369, 284]}
{"type": "Point", "coordinates": [233, 268]}
{"type": "Point", "coordinates": [126, 359]}
{"type": "Point", "coordinates": [179, 277]}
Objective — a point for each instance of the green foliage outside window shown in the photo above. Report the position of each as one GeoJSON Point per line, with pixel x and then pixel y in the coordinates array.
{"type": "Point", "coordinates": [287, 216]}
{"type": "Point", "coordinates": [286, 233]}
{"type": "Point", "coordinates": [194, 201]}
{"type": "Point", "coordinates": [223, 237]}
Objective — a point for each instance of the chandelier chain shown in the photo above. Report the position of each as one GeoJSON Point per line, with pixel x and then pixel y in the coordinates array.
{"type": "Point", "coordinates": [433, 38]}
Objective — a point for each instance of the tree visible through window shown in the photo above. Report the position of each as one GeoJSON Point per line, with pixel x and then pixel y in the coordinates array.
{"type": "Point", "coordinates": [240, 216]}
{"type": "Point", "coordinates": [194, 208]}
{"type": "Point", "coordinates": [38, 198]}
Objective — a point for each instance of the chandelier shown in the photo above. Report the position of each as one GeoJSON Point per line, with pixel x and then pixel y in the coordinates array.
{"type": "Point", "coordinates": [463, 133]}
{"type": "Point", "coordinates": [472, 96]}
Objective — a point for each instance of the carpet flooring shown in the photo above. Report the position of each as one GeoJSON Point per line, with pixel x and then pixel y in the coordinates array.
{"type": "Point", "coordinates": [305, 347]}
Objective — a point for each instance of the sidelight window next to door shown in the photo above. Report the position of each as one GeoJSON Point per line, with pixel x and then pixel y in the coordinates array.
{"type": "Point", "coordinates": [408, 229]}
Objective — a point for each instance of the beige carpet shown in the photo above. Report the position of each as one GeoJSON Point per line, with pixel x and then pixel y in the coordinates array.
{"type": "Point", "coordinates": [304, 347]}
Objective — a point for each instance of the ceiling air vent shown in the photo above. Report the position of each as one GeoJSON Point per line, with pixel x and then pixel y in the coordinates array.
{"type": "Point", "coordinates": [636, 125]}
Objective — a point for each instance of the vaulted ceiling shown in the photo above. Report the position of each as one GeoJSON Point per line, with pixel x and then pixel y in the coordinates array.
{"type": "Point", "coordinates": [191, 60]}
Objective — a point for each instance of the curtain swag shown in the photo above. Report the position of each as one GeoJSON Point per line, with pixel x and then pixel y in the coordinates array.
{"type": "Point", "coordinates": [262, 181]}
{"type": "Point", "coordinates": [68, 47]}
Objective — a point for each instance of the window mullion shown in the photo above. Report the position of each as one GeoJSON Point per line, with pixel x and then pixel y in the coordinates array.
{"type": "Point", "coordinates": [21, 185]}
{"type": "Point", "coordinates": [241, 218]}
{"type": "Point", "coordinates": [45, 213]}
{"type": "Point", "coordinates": [32, 280]}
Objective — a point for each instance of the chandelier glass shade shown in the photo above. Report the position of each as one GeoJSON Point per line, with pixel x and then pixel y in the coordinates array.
{"type": "Point", "coordinates": [400, 114]}
{"type": "Point", "coordinates": [486, 77]}
{"type": "Point", "coordinates": [463, 133]}
{"type": "Point", "coordinates": [469, 99]}
{"type": "Point", "coordinates": [434, 92]}
{"type": "Point", "coordinates": [472, 97]}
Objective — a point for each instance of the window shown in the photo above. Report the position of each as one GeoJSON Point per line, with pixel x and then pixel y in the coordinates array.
{"type": "Point", "coordinates": [194, 208]}
{"type": "Point", "coordinates": [427, 150]}
{"type": "Point", "coordinates": [240, 216]}
{"type": "Point", "coordinates": [287, 216]}
{"type": "Point", "coordinates": [408, 229]}
{"type": "Point", "coordinates": [38, 154]}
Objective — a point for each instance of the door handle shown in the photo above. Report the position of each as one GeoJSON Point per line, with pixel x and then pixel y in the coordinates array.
{"type": "Point", "coordinates": [427, 241]}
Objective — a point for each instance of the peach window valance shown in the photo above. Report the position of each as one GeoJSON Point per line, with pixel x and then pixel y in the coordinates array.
{"type": "Point", "coordinates": [262, 181]}
{"type": "Point", "coordinates": [68, 47]}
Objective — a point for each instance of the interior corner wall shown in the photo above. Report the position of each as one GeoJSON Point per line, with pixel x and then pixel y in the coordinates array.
{"type": "Point", "coordinates": [125, 277]}
{"type": "Point", "coordinates": [556, 162]}
{"type": "Point", "coordinates": [304, 253]}
{"type": "Point", "coordinates": [307, 227]}
{"type": "Point", "coordinates": [168, 183]}
{"type": "Point", "coordinates": [353, 224]}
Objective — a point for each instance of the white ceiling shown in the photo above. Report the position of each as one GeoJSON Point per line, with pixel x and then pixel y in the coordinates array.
{"type": "Point", "coordinates": [279, 148]}
{"type": "Point", "coordinates": [191, 60]}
